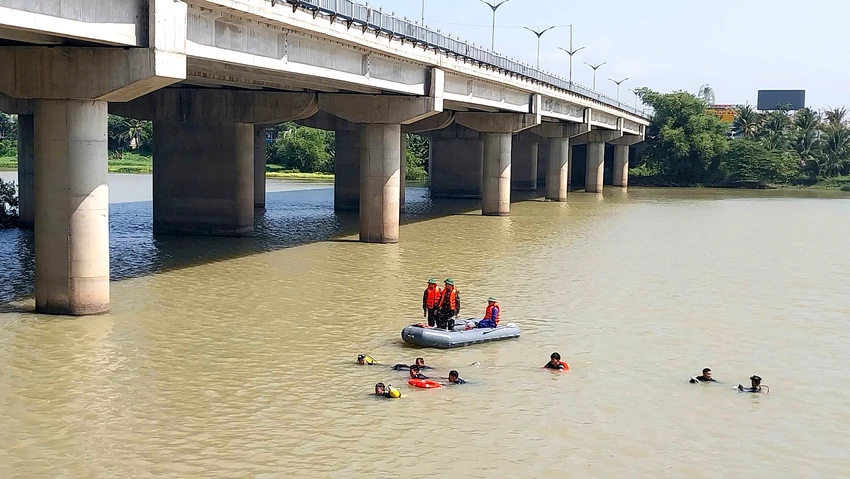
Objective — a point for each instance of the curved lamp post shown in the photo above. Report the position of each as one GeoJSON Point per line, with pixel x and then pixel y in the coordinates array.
{"type": "Point", "coordinates": [539, 34]}
{"type": "Point", "coordinates": [494, 6]}
{"type": "Point", "coordinates": [595, 67]}
{"type": "Point", "coordinates": [571, 52]}
{"type": "Point", "coordinates": [618, 85]}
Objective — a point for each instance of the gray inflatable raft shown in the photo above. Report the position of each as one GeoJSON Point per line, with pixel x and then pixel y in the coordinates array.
{"type": "Point", "coordinates": [443, 339]}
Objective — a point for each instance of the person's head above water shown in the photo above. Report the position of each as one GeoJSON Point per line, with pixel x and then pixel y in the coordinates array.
{"type": "Point", "coordinates": [453, 375]}
{"type": "Point", "coordinates": [706, 373]}
{"type": "Point", "coordinates": [380, 389]}
{"type": "Point", "coordinates": [756, 381]}
{"type": "Point", "coordinates": [414, 371]}
{"type": "Point", "coordinates": [555, 359]}
{"type": "Point", "coordinates": [361, 359]}
{"type": "Point", "coordinates": [420, 362]}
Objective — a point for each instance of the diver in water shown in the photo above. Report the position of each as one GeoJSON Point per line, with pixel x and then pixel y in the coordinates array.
{"type": "Point", "coordinates": [366, 360]}
{"type": "Point", "coordinates": [386, 391]}
{"type": "Point", "coordinates": [420, 363]}
{"type": "Point", "coordinates": [756, 386]}
{"type": "Point", "coordinates": [454, 379]}
{"type": "Point", "coordinates": [705, 378]}
{"type": "Point", "coordinates": [556, 363]}
{"type": "Point", "coordinates": [415, 374]}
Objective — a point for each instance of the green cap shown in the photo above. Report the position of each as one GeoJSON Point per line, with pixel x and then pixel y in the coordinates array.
{"type": "Point", "coordinates": [449, 281]}
{"type": "Point", "coordinates": [432, 281]}
{"type": "Point", "coordinates": [491, 299]}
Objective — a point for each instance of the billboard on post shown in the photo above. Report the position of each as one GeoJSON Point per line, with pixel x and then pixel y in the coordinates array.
{"type": "Point", "coordinates": [774, 99]}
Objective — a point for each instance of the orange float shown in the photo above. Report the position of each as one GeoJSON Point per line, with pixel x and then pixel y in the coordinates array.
{"type": "Point", "coordinates": [424, 383]}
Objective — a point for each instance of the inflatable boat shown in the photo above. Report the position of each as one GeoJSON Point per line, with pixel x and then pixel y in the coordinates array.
{"type": "Point", "coordinates": [429, 337]}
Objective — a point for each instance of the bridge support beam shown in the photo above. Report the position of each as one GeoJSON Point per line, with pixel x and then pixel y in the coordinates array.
{"type": "Point", "coordinates": [259, 167]}
{"type": "Point", "coordinates": [524, 150]}
{"type": "Point", "coordinates": [380, 119]}
{"type": "Point", "coordinates": [596, 139]}
{"type": "Point", "coordinates": [497, 129]}
{"type": "Point", "coordinates": [203, 178]}
{"type": "Point", "coordinates": [621, 158]}
{"type": "Point", "coordinates": [72, 207]}
{"type": "Point", "coordinates": [347, 170]}
{"type": "Point", "coordinates": [26, 170]}
{"type": "Point", "coordinates": [560, 156]}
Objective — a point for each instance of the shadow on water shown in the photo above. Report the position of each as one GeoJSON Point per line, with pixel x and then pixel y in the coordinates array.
{"type": "Point", "coordinates": [291, 218]}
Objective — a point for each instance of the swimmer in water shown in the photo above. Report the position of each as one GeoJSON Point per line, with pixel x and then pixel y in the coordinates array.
{"type": "Point", "coordinates": [454, 379]}
{"type": "Point", "coordinates": [705, 378]}
{"type": "Point", "coordinates": [420, 363]}
{"type": "Point", "coordinates": [756, 386]}
{"type": "Point", "coordinates": [365, 360]}
{"type": "Point", "coordinates": [386, 391]}
{"type": "Point", "coordinates": [556, 363]}
{"type": "Point", "coordinates": [415, 374]}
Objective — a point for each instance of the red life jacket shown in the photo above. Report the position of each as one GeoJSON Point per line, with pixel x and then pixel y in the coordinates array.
{"type": "Point", "coordinates": [452, 299]}
{"type": "Point", "coordinates": [488, 313]}
{"type": "Point", "coordinates": [433, 296]}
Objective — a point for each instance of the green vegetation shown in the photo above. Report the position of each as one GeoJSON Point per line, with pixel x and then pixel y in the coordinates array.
{"type": "Point", "coordinates": [8, 204]}
{"type": "Point", "coordinates": [688, 146]}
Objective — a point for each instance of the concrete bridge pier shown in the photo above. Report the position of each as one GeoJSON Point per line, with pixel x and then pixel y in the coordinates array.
{"type": "Point", "coordinates": [524, 153]}
{"type": "Point", "coordinates": [259, 167]}
{"type": "Point", "coordinates": [380, 119]}
{"type": "Point", "coordinates": [497, 130]}
{"type": "Point", "coordinates": [455, 163]}
{"type": "Point", "coordinates": [560, 156]}
{"type": "Point", "coordinates": [595, 140]}
{"type": "Point", "coordinates": [621, 158]}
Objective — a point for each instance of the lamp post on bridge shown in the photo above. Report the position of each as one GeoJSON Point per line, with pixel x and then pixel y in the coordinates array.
{"type": "Point", "coordinates": [595, 67]}
{"type": "Point", "coordinates": [493, 6]}
{"type": "Point", "coordinates": [636, 97]}
{"type": "Point", "coordinates": [539, 34]}
{"type": "Point", "coordinates": [571, 52]}
{"type": "Point", "coordinates": [422, 19]}
{"type": "Point", "coordinates": [618, 86]}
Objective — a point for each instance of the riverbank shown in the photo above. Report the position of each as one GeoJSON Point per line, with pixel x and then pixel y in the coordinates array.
{"type": "Point", "coordinates": [133, 163]}
{"type": "Point", "coordinates": [841, 183]}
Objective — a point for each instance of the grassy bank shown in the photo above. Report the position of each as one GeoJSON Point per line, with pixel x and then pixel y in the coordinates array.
{"type": "Point", "coordinates": [638, 177]}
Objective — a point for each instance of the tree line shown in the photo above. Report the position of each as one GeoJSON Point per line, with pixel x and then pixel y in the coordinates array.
{"type": "Point", "coordinates": [687, 145]}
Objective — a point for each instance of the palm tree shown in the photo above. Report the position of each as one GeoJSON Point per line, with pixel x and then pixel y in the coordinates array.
{"type": "Point", "coordinates": [747, 122]}
{"type": "Point", "coordinates": [807, 119]}
{"type": "Point", "coordinates": [836, 116]}
{"type": "Point", "coordinates": [836, 150]}
{"type": "Point", "coordinates": [133, 133]}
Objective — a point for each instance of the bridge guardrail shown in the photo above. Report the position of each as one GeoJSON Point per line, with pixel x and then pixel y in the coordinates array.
{"type": "Point", "coordinates": [379, 21]}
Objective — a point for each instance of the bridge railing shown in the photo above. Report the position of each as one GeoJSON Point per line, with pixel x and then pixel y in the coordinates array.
{"type": "Point", "coordinates": [379, 21]}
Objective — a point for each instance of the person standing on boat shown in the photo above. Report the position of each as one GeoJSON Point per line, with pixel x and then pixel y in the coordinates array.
{"type": "Point", "coordinates": [430, 301]}
{"type": "Point", "coordinates": [491, 314]}
{"type": "Point", "coordinates": [449, 306]}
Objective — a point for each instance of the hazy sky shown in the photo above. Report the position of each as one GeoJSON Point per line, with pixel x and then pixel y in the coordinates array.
{"type": "Point", "coordinates": [736, 46]}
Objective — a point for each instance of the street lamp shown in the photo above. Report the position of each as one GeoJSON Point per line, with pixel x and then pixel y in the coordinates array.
{"type": "Point", "coordinates": [571, 52]}
{"type": "Point", "coordinates": [494, 7]}
{"type": "Point", "coordinates": [636, 97]}
{"type": "Point", "coordinates": [539, 34]}
{"type": "Point", "coordinates": [595, 67]}
{"type": "Point", "coordinates": [618, 85]}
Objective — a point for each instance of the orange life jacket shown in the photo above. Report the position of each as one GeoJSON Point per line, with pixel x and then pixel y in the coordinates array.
{"type": "Point", "coordinates": [433, 296]}
{"type": "Point", "coordinates": [451, 297]}
{"type": "Point", "coordinates": [488, 313]}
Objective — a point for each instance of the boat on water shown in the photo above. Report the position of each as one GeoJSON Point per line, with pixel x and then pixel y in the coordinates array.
{"type": "Point", "coordinates": [464, 334]}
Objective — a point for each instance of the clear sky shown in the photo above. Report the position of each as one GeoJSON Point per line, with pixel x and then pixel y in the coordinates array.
{"type": "Point", "coordinates": [736, 46]}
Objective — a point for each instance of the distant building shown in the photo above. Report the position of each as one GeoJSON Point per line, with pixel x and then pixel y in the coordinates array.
{"type": "Point", "coordinates": [726, 113]}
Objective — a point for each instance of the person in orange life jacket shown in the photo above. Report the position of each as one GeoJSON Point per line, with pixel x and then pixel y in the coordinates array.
{"type": "Point", "coordinates": [556, 363]}
{"type": "Point", "coordinates": [415, 374]}
{"type": "Point", "coordinates": [491, 314]}
{"type": "Point", "coordinates": [449, 306]}
{"type": "Point", "coordinates": [430, 301]}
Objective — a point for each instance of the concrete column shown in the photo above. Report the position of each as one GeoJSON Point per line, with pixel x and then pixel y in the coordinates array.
{"type": "Point", "coordinates": [26, 165]}
{"type": "Point", "coordinates": [72, 207]}
{"type": "Point", "coordinates": [496, 184]}
{"type": "Point", "coordinates": [557, 176]}
{"type": "Point", "coordinates": [402, 171]}
{"type": "Point", "coordinates": [595, 167]}
{"type": "Point", "coordinates": [456, 165]}
{"type": "Point", "coordinates": [380, 167]}
{"type": "Point", "coordinates": [524, 163]}
{"type": "Point", "coordinates": [259, 167]}
{"type": "Point", "coordinates": [621, 165]}
{"type": "Point", "coordinates": [203, 178]}
{"type": "Point", "coordinates": [542, 160]}
{"type": "Point", "coordinates": [347, 170]}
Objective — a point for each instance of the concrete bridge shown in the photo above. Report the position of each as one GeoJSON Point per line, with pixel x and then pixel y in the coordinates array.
{"type": "Point", "coordinates": [211, 74]}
